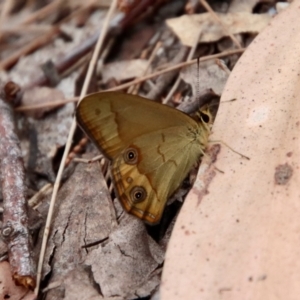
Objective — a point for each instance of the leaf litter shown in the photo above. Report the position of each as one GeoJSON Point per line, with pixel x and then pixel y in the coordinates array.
{"type": "Point", "coordinates": [95, 249]}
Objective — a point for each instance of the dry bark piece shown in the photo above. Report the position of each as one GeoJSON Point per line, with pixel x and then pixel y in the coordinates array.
{"type": "Point", "coordinates": [46, 136]}
{"type": "Point", "coordinates": [186, 27]}
{"type": "Point", "coordinates": [239, 237]}
{"type": "Point", "coordinates": [15, 229]}
{"type": "Point", "coordinates": [83, 215]}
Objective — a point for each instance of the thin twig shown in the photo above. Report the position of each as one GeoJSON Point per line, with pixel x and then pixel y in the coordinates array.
{"type": "Point", "coordinates": [44, 39]}
{"type": "Point", "coordinates": [84, 7]}
{"type": "Point", "coordinates": [46, 104]}
{"type": "Point", "coordinates": [7, 5]}
{"type": "Point", "coordinates": [43, 12]}
{"type": "Point", "coordinates": [190, 56]}
{"type": "Point", "coordinates": [117, 25]}
{"type": "Point", "coordinates": [136, 81]}
{"type": "Point", "coordinates": [134, 89]}
{"type": "Point", "coordinates": [164, 80]}
{"type": "Point", "coordinates": [36, 198]}
{"type": "Point", "coordinates": [222, 66]}
{"type": "Point", "coordinates": [178, 66]}
{"type": "Point", "coordinates": [69, 142]}
{"type": "Point", "coordinates": [38, 42]}
{"type": "Point", "coordinates": [84, 141]}
{"type": "Point", "coordinates": [224, 27]}
{"type": "Point", "coordinates": [21, 29]}
{"type": "Point", "coordinates": [105, 53]}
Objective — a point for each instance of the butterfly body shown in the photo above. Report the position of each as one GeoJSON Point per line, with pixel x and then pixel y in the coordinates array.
{"type": "Point", "coordinates": [152, 147]}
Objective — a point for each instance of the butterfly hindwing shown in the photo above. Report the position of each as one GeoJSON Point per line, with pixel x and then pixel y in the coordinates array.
{"type": "Point", "coordinates": [152, 147]}
{"type": "Point", "coordinates": [153, 171]}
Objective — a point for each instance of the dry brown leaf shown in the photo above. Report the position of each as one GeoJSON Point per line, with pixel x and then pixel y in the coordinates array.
{"type": "Point", "coordinates": [40, 95]}
{"type": "Point", "coordinates": [78, 286]}
{"type": "Point", "coordinates": [237, 234]}
{"type": "Point", "coordinates": [187, 27]}
{"type": "Point", "coordinates": [124, 70]}
{"type": "Point", "coordinates": [126, 265]}
{"type": "Point", "coordinates": [211, 76]}
{"type": "Point", "coordinates": [242, 5]}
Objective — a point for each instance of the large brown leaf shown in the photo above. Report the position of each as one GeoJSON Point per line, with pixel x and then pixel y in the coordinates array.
{"type": "Point", "coordinates": [237, 236]}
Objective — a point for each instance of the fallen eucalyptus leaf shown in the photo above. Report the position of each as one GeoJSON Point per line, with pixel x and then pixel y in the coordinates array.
{"type": "Point", "coordinates": [237, 234]}
{"type": "Point", "coordinates": [187, 27]}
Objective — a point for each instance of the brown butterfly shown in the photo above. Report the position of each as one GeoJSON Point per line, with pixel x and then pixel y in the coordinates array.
{"type": "Point", "coordinates": [151, 146]}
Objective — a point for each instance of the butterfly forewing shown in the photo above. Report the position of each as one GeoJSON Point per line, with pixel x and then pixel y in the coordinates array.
{"type": "Point", "coordinates": [152, 147]}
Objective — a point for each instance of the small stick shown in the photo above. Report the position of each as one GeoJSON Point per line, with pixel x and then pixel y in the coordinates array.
{"type": "Point", "coordinates": [35, 44]}
{"type": "Point", "coordinates": [175, 67]}
{"type": "Point", "coordinates": [46, 104]}
{"type": "Point", "coordinates": [134, 89]}
{"type": "Point", "coordinates": [12, 176]}
{"type": "Point", "coordinates": [139, 80]}
{"type": "Point", "coordinates": [190, 56]}
{"type": "Point", "coordinates": [166, 79]}
{"type": "Point", "coordinates": [6, 7]}
{"type": "Point", "coordinates": [82, 143]}
{"type": "Point", "coordinates": [43, 39]}
{"type": "Point", "coordinates": [21, 29]}
{"type": "Point", "coordinates": [222, 66]}
{"type": "Point", "coordinates": [69, 142]}
{"type": "Point", "coordinates": [117, 25]}
{"type": "Point", "coordinates": [36, 199]}
{"type": "Point", "coordinates": [44, 12]}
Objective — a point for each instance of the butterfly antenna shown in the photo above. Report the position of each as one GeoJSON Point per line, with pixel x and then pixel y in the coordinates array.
{"type": "Point", "coordinates": [198, 82]}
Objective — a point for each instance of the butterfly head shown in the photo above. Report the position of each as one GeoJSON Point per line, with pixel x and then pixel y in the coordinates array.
{"type": "Point", "coordinates": [205, 118]}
